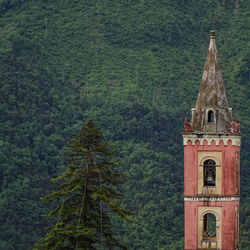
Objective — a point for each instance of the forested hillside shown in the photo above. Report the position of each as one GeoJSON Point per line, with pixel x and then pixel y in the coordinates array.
{"type": "Point", "coordinates": [135, 68]}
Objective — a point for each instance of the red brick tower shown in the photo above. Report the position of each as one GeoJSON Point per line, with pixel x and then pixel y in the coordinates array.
{"type": "Point", "coordinates": [211, 165]}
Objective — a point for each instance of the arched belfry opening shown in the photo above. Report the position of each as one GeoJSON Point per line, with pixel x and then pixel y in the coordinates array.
{"type": "Point", "coordinates": [209, 226]}
{"type": "Point", "coordinates": [209, 173]}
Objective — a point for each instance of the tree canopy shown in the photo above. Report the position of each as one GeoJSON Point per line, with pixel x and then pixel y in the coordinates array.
{"type": "Point", "coordinates": [88, 194]}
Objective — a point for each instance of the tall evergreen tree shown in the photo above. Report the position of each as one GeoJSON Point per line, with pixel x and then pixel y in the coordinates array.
{"type": "Point", "coordinates": [88, 196]}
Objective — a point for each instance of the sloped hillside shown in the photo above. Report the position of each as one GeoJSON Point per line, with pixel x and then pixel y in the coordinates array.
{"type": "Point", "coordinates": [135, 68]}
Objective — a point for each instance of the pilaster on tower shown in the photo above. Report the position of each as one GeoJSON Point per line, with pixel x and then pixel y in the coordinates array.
{"type": "Point", "coordinates": [211, 165]}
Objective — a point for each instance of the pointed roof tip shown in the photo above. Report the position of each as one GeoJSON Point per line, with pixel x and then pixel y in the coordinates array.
{"type": "Point", "coordinates": [212, 34]}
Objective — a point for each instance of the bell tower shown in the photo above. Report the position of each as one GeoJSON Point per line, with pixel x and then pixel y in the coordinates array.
{"type": "Point", "coordinates": [211, 165]}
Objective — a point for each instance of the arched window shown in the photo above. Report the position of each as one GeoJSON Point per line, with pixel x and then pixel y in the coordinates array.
{"type": "Point", "coordinates": [209, 225]}
{"type": "Point", "coordinates": [209, 173]}
{"type": "Point", "coordinates": [210, 117]}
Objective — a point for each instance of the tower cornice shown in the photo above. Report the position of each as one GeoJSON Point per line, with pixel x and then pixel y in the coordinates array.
{"type": "Point", "coordinates": [210, 139]}
{"type": "Point", "coordinates": [213, 198]}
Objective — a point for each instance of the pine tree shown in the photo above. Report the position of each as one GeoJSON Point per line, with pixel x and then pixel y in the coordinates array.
{"type": "Point", "coordinates": [88, 196]}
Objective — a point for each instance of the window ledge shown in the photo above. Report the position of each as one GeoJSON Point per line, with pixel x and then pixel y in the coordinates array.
{"type": "Point", "coordinates": [209, 240]}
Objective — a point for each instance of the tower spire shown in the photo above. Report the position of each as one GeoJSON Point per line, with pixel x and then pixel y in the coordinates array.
{"type": "Point", "coordinates": [211, 165]}
{"type": "Point", "coordinates": [212, 114]}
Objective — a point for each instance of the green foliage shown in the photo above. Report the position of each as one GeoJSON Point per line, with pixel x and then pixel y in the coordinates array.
{"type": "Point", "coordinates": [134, 67]}
{"type": "Point", "coordinates": [88, 195]}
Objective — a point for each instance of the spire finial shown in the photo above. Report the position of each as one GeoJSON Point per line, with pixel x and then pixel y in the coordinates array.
{"type": "Point", "coordinates": [212, 32]}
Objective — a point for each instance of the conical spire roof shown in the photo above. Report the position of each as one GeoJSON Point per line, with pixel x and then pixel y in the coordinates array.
{"type": "Point", "coordinates": [212, 114]}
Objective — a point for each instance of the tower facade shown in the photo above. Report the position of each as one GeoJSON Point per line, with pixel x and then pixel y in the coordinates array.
{"type": "Point", "coordinates": [211, 165]}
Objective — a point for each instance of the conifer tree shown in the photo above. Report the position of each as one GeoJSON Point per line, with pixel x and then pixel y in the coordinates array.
{"type": "Point", "coordinates": [87, 196]}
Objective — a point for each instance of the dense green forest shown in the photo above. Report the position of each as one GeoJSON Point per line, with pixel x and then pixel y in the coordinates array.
{"type": "Point", "coordinates": [134, 67]}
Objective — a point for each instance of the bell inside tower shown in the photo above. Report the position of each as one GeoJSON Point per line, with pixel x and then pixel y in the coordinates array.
{"type": "Point", "coordinates": [209, 173]}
